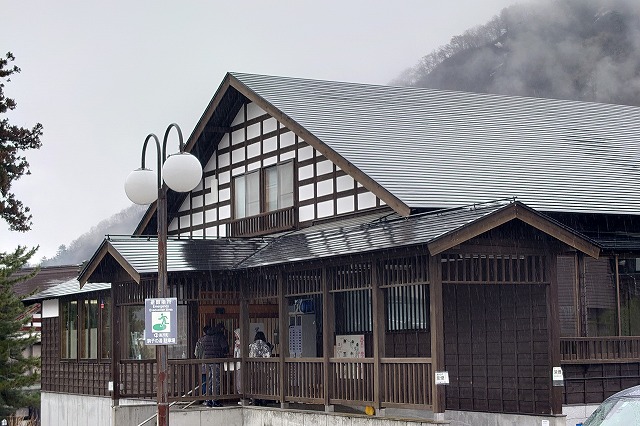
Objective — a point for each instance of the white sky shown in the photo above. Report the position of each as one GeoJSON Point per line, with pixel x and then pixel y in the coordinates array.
{"type": "Point", "coordinates": [100, 76]}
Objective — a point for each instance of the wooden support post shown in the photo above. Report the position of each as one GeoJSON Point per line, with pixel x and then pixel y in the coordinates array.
{"type": "Point", "coordinates": [245, 339]}
{"type": "Point", "coordinates": [437, 331]}
{"type": "Point", "coordinates": [328, 316]}
{"type": "Point", "coordinates": [553, 307]}
{"type": "Point", "coordinates": [377, 307]}
{"type": "Point", "coordinates": [283, 330]}
{"type": "Point", "coordinates": [115, 347]}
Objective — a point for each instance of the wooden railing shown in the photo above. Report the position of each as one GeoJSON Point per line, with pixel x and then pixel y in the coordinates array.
{"type": "Point", "coordinates": [352, 381]}
{"type": "Point", "coordinates": [304, 379]}
{"type": "Point", "coordinates": [403, 382]}
{"type": "Point", "coordinates": [406, 382]}
{"type": "Point", "coordinates": [599, 349]}
{"type": "Point", "coordinates": [263, 378]}
{"type": "Point", "coordinates": [264, 223]}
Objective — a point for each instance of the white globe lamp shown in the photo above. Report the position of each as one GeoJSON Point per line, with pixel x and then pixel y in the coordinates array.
{"type": "Point", "coordinates": [182, 172]}
{"type": "Point", "coordinates": [141, 186]}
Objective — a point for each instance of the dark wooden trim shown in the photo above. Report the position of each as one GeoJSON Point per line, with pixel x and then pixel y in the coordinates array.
{"type": "Point", "coordinates": [618, 296]}
{"type": "Point", "coordinates": [245, 339]}
{"type": "Point", "coordinates": [553, 313]}
{"type": "Point", "coordinates": [437, 331]}
{"type": "Point", "coordinates": [283, 325]}
{"type": "Point", "coordinates": [378, 315]}
{"type": "Point", "coordinates": [327, 334]}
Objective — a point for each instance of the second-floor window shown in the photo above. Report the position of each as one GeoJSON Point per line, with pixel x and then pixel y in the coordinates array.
{"type": "Point", "coordinates": [263, 190]}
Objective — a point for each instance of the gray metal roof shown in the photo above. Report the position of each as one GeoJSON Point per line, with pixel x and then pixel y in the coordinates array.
{"type": "Point", "coordinates": [435, 149]}
{"type": "Point", "coordinates": [371, 235]}
{"type": "Point", "coordinates": [368, 233]}
{"type": "Point", "coordinates": [67, 288]}
{"type": "Point", "coordinates": [184, 254]}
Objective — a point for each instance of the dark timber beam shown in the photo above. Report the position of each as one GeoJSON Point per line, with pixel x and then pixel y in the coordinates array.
{"type": "Point", "coordinates": [437, 331]}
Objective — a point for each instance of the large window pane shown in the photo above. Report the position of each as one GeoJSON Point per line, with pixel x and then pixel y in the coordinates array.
{"type": "Point", "coordinates": [271, 188]}
{"type": "Point", "coordinates": [69, 347]}
{"type": "Point", "coordinates": [180, 349]}
{"type": "Point", "coordinates": [253, 193]}
{"type": "Point", "coordinates": [629, 270]}
{"type": "Point", "coordinates": [134, 347]}
{"type": "Point", "coordinates": [285, 185]}
{"type": "Point", "coordinates": [239, 197]}
{"type": "Point", "coordinates": [89, 330]}
{"type": "Point", "coordinates": [105, 333]}
{"type": "Point", "coordinates": [600, 298]}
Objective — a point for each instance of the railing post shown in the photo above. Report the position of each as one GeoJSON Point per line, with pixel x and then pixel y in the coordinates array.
{"type": "Point", "coordinates": [283, 325]}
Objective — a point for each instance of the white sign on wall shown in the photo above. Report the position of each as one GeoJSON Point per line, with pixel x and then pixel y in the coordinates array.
{"type": "Point", "coordinates": [442, 377]}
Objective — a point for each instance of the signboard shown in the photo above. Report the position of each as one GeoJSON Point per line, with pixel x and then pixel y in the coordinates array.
{"type": "Point", "coordinates": [558, 379]}
{"type": "Point", "coordinates": [161, 321]}
{"type": "Point", "coordinates": [442, 377]}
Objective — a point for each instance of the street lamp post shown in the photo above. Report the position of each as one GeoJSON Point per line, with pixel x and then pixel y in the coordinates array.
{"type": "Point", "coordinates": [181, 172]}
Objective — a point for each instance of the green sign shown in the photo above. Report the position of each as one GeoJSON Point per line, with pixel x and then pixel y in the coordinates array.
{"type": "Point", "coordinates": [161, 321]}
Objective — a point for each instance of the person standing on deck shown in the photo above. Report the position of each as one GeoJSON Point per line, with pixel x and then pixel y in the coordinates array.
{"type": "Point", "coordinates": [214, 346]}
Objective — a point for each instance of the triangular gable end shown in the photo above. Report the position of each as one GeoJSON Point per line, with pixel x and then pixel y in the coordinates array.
{"type": "Point", "coordinates": [194, 215]}
{"type": "Point", "coordinates": [515, 210]}
{"type": "Point", "coordinates": [105, 251]}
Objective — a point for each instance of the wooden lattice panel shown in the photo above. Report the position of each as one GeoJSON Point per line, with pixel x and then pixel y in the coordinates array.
{"type": "Point", "coordinates": [405, 270]}
{"type": "Point", "coordinates": [351, 276]}
{"type": "Point", "coordinates": [304, 282]}
{"type": "Point", "coordinates": [494, 269]}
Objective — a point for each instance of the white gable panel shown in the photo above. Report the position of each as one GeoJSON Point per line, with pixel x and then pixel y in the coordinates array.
{"type": "Point", "coordinates": [305, 192]}
{"type": "Point", "coordinates": [325, 187]}
{"type": "Point", "coordinates": [237, 137]}
{"type": "Point", "coordinates": [253, 131]}
{"type": "Point", "coordinates": [270, 144]}
{"type": "Point", "coordinates": [239, 118]}
{"type": "Point", "coordinates": [224, 142]}
{"type": "Point", "coordinates": [254, 111]}
{"type": "Point", "coordinates": [305, 153]}
{"type": "Point", "coordinates": [324, 167]}
{"type": "Point", "coordinates": [366, 200]}
{"type": "Point", "coordinates": [50, 308]}
{"type": "Point", "coordinates": [269, 125]}
{"type": "Point", "coordinates": [346, 205]}
{"type": "Point", "coordinates": [325, 209]}
{"type": "Point", "coordinates": [211, 164]}
{"type": "Point", "coordinates": [287, 155]}
{"type": "Point", "coordinates": [306, 213]}
{"type": "Point", "coordinates": [173, 225]}
{"type": "Point", "coordinates": [287, 139]}
{"type": "Point", "coordinates": [344, 183]}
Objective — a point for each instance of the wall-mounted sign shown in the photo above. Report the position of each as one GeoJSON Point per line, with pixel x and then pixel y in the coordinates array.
{"type": "Point", "coordinates": [161, 321]}
{"type": "Point", "coordinates": [442, 377]}
{"type": "Point", "coordinates": [557, 377]}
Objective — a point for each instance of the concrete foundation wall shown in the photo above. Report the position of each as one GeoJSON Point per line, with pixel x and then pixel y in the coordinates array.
{"type": "Point", "coordinates": [469, 418]}
{"type": "Point", "coordinates": [577, 414]}
{"type": "Point", "coordinates": [78, 410]}
{"type": "Point", "coordinates": [61, 409]}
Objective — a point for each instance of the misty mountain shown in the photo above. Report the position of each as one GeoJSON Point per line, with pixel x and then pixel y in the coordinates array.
{"type": "Point", "coordinates": [82, 248]}
{"type": "Point", "coordinates": [566, 49]}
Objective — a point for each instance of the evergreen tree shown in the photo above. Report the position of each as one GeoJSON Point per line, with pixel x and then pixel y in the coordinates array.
{"type": "Point", "coordinates": [13, 164]}
{"type": "Point", "coordinates": [17, 372]}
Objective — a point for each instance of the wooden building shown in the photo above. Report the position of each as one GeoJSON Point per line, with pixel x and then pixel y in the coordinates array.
{"type": "Point", "coordinates": [380, 235]}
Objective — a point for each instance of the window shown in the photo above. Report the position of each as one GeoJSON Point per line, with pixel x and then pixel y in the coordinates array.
{"type": "Point", "coordinates": [86, 328]}
{"type": "Point", "coordinates": [268, 191]}
{"type": "Point", "coordinates": [105, 333]}
{"type": "Point", "coordinates": [69, 318]}
{"type": "Point", "coordinates": [134, 347]}
{"type": "Point", "coordinates": [89, 330]}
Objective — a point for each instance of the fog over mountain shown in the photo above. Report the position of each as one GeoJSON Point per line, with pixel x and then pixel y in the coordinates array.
{"type": "Point", "coordinates": [83, 247]}
{"type": "Point", "coordinates": [566, 49]}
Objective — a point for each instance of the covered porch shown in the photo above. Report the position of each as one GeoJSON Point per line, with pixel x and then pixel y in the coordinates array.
{"type": "Point", "coordinates": [361, 314]}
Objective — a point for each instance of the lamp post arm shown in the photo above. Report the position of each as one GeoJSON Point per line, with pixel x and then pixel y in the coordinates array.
{"type": "Point", "coordinates": [166, 136]}
{"type": "Point", "coordinates": [144, 152]}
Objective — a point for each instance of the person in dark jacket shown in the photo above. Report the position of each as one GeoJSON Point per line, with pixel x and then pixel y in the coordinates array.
{"type": "Point", "coordinates": [214, 345]}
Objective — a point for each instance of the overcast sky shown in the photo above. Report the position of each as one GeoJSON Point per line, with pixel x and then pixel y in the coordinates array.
{"type": "Point", "coordinates": [100, 76]}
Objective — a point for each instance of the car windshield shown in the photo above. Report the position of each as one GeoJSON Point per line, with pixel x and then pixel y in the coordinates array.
{"type": "Point", "coordinates": [617, 412]}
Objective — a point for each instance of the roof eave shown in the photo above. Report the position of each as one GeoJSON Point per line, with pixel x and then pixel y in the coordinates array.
{"type": "Point", "coordinates": [512, 211]}
{"type": "Point", "coordinates": [106, 249]}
